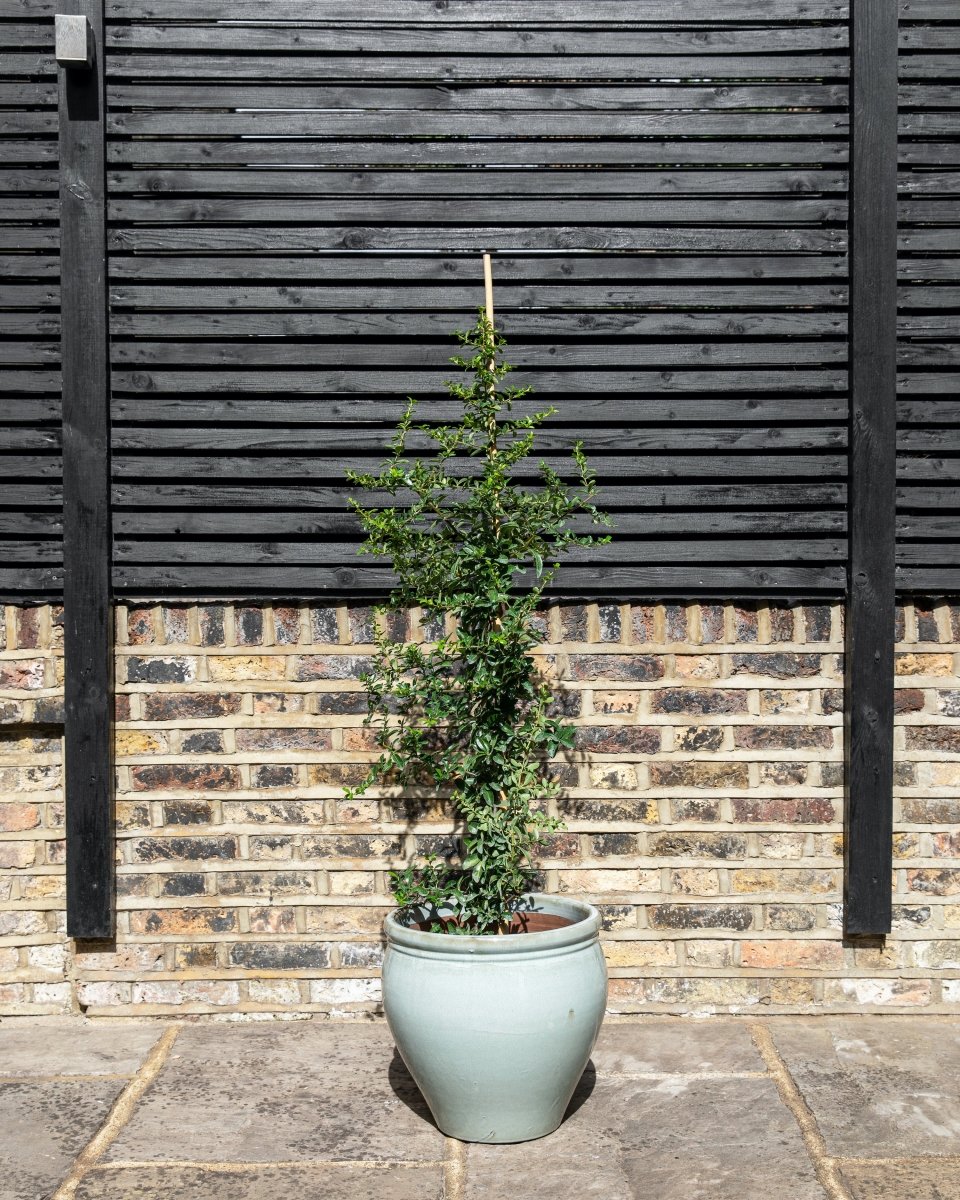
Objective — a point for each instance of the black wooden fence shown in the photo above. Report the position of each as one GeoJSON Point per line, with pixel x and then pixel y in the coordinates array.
{"type": "Point", "coordinates": [692, 205]}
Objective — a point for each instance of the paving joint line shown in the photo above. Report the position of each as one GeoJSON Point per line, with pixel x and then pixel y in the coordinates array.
{"type": "Point", "coordinates": [239, 1168]}
{"type": "Point", "coordinates": [454, 1170]}
{"type": "Point", "coordinates": [91, 1078]}
{"type": "Point", "coordinates": [120, 1113]}
{"type": "Point", "coordinates": [824, 1165]}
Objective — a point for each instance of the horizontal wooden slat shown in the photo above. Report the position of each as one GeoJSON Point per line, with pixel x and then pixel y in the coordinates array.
{"type": "Point", "coordinates": [510, 12]}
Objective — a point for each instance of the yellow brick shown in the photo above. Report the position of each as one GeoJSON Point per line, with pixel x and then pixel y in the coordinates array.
{"type": "Point", "coordinates": [640, 954]}
{"type": "Point", "coordinates": [137, 741]}
{"type": "Point", "coordinates": [924, 664]}
{"type": "Point", "coordinates": [237, 667]}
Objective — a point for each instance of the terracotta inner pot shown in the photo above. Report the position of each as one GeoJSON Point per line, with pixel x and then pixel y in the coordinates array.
{"type": "Point", "coordinates": [522, 922]}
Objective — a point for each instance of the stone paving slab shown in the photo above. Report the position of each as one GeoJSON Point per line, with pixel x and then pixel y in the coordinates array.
{"type": "Point", "coordinates": [877, 1085]}
{"type": "Point", "coordinates": [910, 1179]}
{"type": "Point", "coordinates": [71, 1047]}
{"type": "Point", "coordinates": [43, 1127]}
{"type": "Point", "coordinates": [680, 1138]}
{"type": "Point", "coordinates": [661, 1047]}
{"type": "Point", "coordinates": [266, 1183]}
{"type": "Point", "coordinates": [281, 1092]}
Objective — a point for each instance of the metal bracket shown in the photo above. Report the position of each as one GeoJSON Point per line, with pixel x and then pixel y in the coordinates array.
{"type": "Point", "coordinates": [73, 41]}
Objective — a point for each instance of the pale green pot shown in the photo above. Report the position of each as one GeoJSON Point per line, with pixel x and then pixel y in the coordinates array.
{"type": "Point", "coordinates": [496, 1030]}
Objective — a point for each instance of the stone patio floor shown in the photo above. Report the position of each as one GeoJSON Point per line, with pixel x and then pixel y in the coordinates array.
{"type": "Point", "coordinates": [670, 1109]}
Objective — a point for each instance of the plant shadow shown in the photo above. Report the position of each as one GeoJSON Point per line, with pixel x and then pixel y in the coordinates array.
{"type": "Point", "coordinates": [404, 1088]}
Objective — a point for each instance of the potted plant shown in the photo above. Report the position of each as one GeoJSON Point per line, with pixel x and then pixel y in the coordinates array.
{"type": "Point", "coordinates": [494, 992]}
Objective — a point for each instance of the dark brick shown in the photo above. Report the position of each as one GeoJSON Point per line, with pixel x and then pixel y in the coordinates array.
{"type": "Point", "coordinates": [816, 619]}
{"type": "Point", "coordinates": [899, 624]}
{"type": "Point", "coordinates": [437, 845]}
{"type": "Point", "coordinates": [211, 625]}
{"type": "Point", "coordinates": [783, 774]}
{"type": "Point", "coordinates": [431, 625]}
{"type": "Point", "coordinates": [323, 626]}
{"type": "Point", "coordinates": [179, 776]}
{"type": "Point", "coordinates": [335, 704]}
{"type": "Point", "coordinates": [566, 774]}
{"type": "Point", "coordinates": [135, 885]}
{"type": "Point", "coordinates": [927, 630]}
{"type": "Point", "coordinates": [561, 845]}
{"type": "Point", "coordinates": [783, 737]}
{"type": "Point", "coordinates": [28, 628]}
{"type": "Point", "coordinates": [611, 625]}
{"type": "Point", "coordinates": [790, 918]}
{"type": "Point", "coordinates": [362, 625]}
{"type": "Point", "coordinates": [397, 624]}
{"type": "Point", "coordinates": [699, 737]}
{"type": "Point", "coordinates": [698, 845]}
{"type": "Point", "coordinates": [699, 916]}
{"type": "Point", "coordinates": [943, 738]}
{"type": "Point", "coordinates": [711, 624]}
{"type": "Point", "coordinates": [907, 700]}
{"type": "Point", "coordinates": [905, 774]}
{"type": "Point", "coordinates": [140, 626]}
{"type": "Point", "coordinates": [782, 624]}
{"type": "Point", "coordinates": [283, 738]}
{"type": "Point", "coordinates": [695, 810]}
{"type": "Point", "coordinates": [249, 626]}
{"type": "Point", "coordinates": [286, 626]}
{"type": "Point", "coordinates": [565, 704]}
{"type": "Point", "coordinates": [613, 809]}
{"type": "Point", "coordinates": [617, 739]}
{"type": "Point", "coordinates": [831, 775]}
{"type": "Point", "coordinates": [187, 812]}
{"type": "Point", "coordinates": [602, 844]}
{"type": "Point", "coordinates": [642, 623]}
{"type": "Point", "coordinates": [273, 775]}
{"type": "Point", "coordinates": [699, 774]}
{"type": "Point", "coordinates": [617, 916]}
{"type": "Point", "coordinates": [280, 956]}
{"type": "Point", "coordinates": [203, 741]}
{"type": "Point", "coordinates": [904, 914]}
{"type": "Point", "coordinates": [121, 707]}
{"type": "Point", "coordinates": [331, 666]}
{"type": "Point", "coordinates": [813, 810]}
{"type": "Point", "coordinates": [832, 701]}
{"type": "Point", "coordinates": [160, 849]}
{"type": "Point", "coordinates": [745, 625]}
{"type": "Point", "coordinates": [184, 883]}
{"type": "Point", "coordinates": [642, 667]}
{"type": "Point", "coordinates": [173, 706]}
{"type": "Point", "coordinates": [11, 712]}
{"type": "Point", "coordinates": [336, 774]}
{"type": "Point", "coordinates": [675, 617]}
{"type": "Point", "coordinates": [698, 701]}
{"type": "Point", "coordinates": [779, 665]}
{"type": "Point", "coordinates": [375, 845]}
{"type": "Point", "coordinates": [573, 623]}
{"type": "Point", "coordinates": [939, 811]}
{"type": "Point", "coordinates": [160, 670]}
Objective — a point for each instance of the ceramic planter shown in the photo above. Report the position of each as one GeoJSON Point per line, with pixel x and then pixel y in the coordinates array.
{"type": "Point", "coordinates": [496, 1030]}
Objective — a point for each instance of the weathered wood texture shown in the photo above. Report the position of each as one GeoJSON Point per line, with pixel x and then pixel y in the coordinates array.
{"type": "Point", "coordinates": [872, 512]}
{"type": "Point", "coordinates": [667, 200]}
{"type": "Point", "coordinates": [30, 518]}
{"type": "Point", "coordinates": [928, 347]}
{"type": "Point", "coordinates": [88, 617]}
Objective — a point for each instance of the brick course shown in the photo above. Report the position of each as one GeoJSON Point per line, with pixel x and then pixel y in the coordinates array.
{"type": "Point", "coordinates": [703, 801]}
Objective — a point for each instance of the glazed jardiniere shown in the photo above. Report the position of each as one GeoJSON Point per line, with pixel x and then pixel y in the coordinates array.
{"type": "Point", "coordinates": [497, 1029]}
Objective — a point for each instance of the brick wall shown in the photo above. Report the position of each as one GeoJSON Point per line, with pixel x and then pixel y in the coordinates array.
{"type": "Point", "coordinates": [703, 807]}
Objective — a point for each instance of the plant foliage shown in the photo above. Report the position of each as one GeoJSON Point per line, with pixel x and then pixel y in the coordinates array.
{"type": "Point", "coordinates": [470, 714]}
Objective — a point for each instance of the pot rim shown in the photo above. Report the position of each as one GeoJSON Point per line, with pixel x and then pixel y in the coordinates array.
{"type": "Point", "coordinates": [585, 928]}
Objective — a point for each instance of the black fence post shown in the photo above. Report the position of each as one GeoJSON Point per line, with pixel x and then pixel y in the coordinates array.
{"type": "Point", "coordinates": [88, 616]}
{"type": "Point", "coordinates": [872, 525]}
